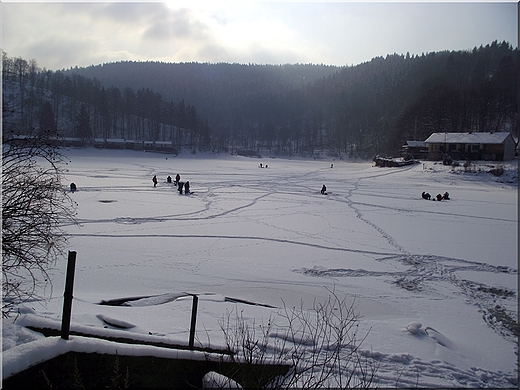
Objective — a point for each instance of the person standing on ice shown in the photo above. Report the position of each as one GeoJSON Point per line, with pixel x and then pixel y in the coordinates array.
{"type": "Point", "coordinates": [324, 190]}
{"type": "Point", "coordinates": [177, 179]}
{"type": "Point", "coordinates": [187, 188]}
{"type": "Point", "coordinates": [181, 184]}
{"type": "Point", "coordinates": [154, 179]}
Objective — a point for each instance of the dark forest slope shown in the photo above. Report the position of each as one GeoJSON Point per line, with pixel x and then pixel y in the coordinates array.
{"type": "Point", "coordinates": [217, 90]}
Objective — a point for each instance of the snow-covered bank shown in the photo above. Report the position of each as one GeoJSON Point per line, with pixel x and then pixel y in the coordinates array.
{"type": "Point", "coordinates": [252, 239]}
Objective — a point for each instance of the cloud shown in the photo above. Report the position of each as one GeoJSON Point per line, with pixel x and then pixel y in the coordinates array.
{"type": "Point", "coordinates": [60, 35]}
{"type": "Point", "coordinates": [65, 50]}
{"type": "Point", "coordinates": [179, 24]}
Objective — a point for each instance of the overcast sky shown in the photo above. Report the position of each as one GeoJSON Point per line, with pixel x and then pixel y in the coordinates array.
{"type": "Point", "coordinates": [67, 34]}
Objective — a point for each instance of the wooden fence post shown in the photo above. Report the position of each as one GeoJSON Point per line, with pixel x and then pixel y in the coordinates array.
{"type": "Point", "coordinates": [193, 319]}
{"type": "Point", "coordinates": [67, 301]}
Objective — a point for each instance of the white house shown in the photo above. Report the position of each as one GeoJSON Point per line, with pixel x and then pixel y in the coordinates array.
{"type": "Point", "coordinates": [499, 146]}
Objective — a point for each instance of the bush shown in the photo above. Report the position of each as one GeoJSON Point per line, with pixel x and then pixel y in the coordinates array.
{"type": "Point", "coordinates": [320, 344]}
{"type": "Point", "coordinates": [497, 171]}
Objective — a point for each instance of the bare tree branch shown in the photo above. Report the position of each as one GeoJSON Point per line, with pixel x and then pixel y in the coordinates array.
{"type": "Point", "coordinates": [35, 206]}
{"type": "Point", "coordinates": [320, 344]}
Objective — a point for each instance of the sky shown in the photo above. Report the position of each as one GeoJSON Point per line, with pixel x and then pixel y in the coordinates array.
{"type": "Point", "coordinates": [60, 35]}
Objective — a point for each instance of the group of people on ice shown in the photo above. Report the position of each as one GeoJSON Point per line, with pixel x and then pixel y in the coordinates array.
{"type": "Point", "coordinates": [180, 184]}
{"type": "Point", "coordinates": [439, 197]}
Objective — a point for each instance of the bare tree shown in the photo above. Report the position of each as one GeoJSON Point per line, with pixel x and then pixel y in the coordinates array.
{"type": "Point", "coordinates": [35, 207]}
{"type": "Point", "coordinates": [321, 345]}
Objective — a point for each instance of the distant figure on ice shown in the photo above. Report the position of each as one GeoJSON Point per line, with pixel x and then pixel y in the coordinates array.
{"type": "Point", "coordinates": [426, 195]}
{"type": "Point", "coordinates": [73, 187]}
{"type": "Point", "coordinates": [439, 197]}
{"type": "Point", "coordinates": [177, 179]}
{"type": "Point", "coordinates": [169, 179]}
{"type": "Point", "coordinates": [187, 188]}
{"type": "Point", "coordinates": [154, 179]}
{"type": "Point", "coordinates": [446, 196]}
{"type": "Point", "coordinates": [324, 190]}
{"type": "Point", "coordinates": [180, 184]}
{"type": "Point", "coordinates": [332, 165]}
{"type": "Point", "coordinates": [261, 166]}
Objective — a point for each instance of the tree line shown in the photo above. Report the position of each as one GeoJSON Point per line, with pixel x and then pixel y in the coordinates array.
{"type": "Point", "coordinates": [302, 109]}
{"type": "Point", "coordinates": [79, 107]}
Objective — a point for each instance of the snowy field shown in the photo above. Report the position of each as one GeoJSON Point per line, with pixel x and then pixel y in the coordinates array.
{"type": "Point", "coordinates": [435, 283]}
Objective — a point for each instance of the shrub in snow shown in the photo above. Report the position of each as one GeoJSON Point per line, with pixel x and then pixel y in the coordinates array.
{"type": "Point", "coordinates": [321, 345]}
{"type": "Point", "coordinates": [498, 171]}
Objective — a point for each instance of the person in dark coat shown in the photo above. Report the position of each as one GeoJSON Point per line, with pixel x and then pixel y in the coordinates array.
{"type": "Point", "coordinates": [323, 190]}
{"type": "Point", "coordinates": [187, 188]}
{"type": "Point", "coordinates": [73, 187]}
{"type": "Point", "coordinates": [439, 197]}
{"type": "Point", "coordinates": [177, 179]}
{"type": "Point", "coordinates": [446, 196]}
{"type": "Point", "coordinates": [169, 179]}
{"type": "Point", "coordinates": [181, 185]}
{"type": "Point", "coordinates": [426, 195]}
{"type": "Point", "coordinates": [154, 179]}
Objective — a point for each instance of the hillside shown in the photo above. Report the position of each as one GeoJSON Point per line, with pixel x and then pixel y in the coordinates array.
{"type": "Point", "coordinates": [307, 110]}
{"type": "Point", "coordinates": [219, 91]}
{"type": "Point", "coordinates": [370, 108]}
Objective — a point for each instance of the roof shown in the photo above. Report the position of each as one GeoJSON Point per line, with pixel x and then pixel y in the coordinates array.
{"type": "Point", "coordinates": [468, 138]}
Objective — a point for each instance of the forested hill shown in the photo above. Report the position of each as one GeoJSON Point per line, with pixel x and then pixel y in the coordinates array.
{"type": "Point", "coordinates": [360, 110]}
{"type": "Point", "coordinates": [308, 110]}
{"type": "Point", "coordinates": [218, 91]}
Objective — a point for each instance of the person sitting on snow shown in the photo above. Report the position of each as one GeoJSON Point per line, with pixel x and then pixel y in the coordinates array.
{"type": "Point", "coordinates": [169, 179]}
{"type": "Point", "coordinates": [446, 196]}
{"type": "Point", "coordinates": [73, 187]}
{"type": "Point", "coordinates": [439, 197]}
{"type": "Point", "coordinates": [426, 195]}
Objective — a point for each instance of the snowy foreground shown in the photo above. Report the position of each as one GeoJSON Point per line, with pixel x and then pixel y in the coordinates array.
{"type": "Point", "coordinates": [435, 283]}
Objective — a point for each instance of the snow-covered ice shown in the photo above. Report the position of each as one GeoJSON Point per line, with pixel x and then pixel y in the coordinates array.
{"type": "Point", "coordinates": [435, 283]}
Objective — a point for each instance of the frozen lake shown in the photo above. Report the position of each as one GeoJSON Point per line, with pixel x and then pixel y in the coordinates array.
{"type": "Point", "coordinates": [266, 236]}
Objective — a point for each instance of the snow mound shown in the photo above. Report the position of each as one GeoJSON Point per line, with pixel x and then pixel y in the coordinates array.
{"type": "Point", "coordinates": [115, 322]}
{"type": "Point", "coordinates": [415, 328]}
{"type": "Point", "coordinates": [214, 380]}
